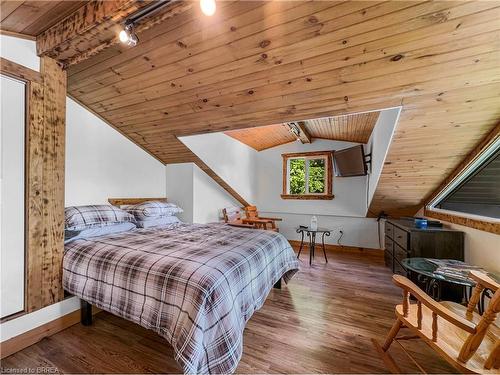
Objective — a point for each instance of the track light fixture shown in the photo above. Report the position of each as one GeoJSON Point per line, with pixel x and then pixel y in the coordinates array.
{"type": "Point", "coordinates": [128, 36]}
{"type": "Point", "coordinates": [294, 128]}
{"type": "Point", "coordinates": [208, 7]}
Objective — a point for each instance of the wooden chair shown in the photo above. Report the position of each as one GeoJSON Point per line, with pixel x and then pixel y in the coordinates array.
{"type": "Point", "coordinates": [468, 341]}
{"type": "Point", "coordinates": [267, 223]}
{"type": "Point", "coordinates": [232, 216]}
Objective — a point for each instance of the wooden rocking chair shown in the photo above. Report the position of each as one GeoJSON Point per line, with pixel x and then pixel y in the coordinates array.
{"type": "Point", "coordinates": [468, 341]}
{"type": "Point", "coordinates": [232, 216]}
{"type": "Point", "coordinates": [267, 223]}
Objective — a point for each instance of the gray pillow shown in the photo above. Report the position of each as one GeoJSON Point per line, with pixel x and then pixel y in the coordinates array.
{"type": "Point", "coordinates": [71, 235]}
{"type": "Point", "coordinates": [162, 221]}
{"type": "Point", "coordinates": [83, 217]}
{"type": "Point", "coordinates": [153, 210]}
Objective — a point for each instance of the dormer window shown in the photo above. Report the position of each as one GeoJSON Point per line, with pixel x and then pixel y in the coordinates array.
{"type": "Point", "coordinates": [307, 175]}
{"type": "Point", "coordinates": [473, 194]}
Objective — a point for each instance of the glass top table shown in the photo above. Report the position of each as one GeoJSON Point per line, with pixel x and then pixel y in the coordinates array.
{"type": "Point", "coordinates": [425, 270]}
{"type": "Point", "coordinates": [425, 267]}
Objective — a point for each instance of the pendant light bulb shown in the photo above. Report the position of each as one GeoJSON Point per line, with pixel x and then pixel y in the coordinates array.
{"type": "Point", "coordinates": [124, 36]}
{"type": "Point", "coordinates": [208, 7]}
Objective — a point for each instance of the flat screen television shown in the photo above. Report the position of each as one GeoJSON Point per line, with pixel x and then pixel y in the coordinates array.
{"type": "Point", "coordinates": [350, 162]}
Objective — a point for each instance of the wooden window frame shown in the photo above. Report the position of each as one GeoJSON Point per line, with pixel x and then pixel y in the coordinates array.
{"type": "Point", "coordinates": [328, 156]}
{"type": "Point", "coordinates": [472, 221]}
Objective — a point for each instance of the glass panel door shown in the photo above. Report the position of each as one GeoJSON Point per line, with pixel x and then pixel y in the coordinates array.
{"type": "Point", "coordinates": [12, 155]}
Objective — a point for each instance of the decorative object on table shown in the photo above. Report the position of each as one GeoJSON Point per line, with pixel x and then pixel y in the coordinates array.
{"type": "Point", "coordinates": [267, 223]}
{"type": "Point", "coordinates": [314, 223]}
{"type": "Point", "coordinates": [454, 269]}
{"type": "Point", "coordinates": [404, 240]}
{"type": "Point", "coordinates": [420, 222]}
{"type": "Point", "coordinates": [311, 234]}
{"type": "Point", "coordinates": [457, 333]}
{"type": "Point", "coordinates": [434, 273]}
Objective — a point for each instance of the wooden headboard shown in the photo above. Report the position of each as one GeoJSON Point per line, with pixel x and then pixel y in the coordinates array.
{"type": "Point", "coordinates": [125, 201]}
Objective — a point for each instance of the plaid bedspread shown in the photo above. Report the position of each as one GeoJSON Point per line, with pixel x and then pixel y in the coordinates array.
{"type": "Point", "coordinates": [195, 285]}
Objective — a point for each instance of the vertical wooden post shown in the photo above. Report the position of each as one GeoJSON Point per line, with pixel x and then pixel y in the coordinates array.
{"type": "Point", "coordinates": [54, 81]}
{"type": "Point", "coordinates": [474, 299]}
{"type": "Point", "coordinates": [45, 186]}
{"type": "Point", "coordinates": [34, 197]}
{"type": "Point", "coordinates": [419, 315]}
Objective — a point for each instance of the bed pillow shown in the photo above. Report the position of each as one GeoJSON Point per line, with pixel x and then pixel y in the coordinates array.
{"type": "Point", "coordinates": [153, 210]}
{"type": "Point", "coordinates": [83, 217]}
{"type": "Point", "coordinates": [162, 221]}
{"type": "Point", "coordinates": [71, 235]}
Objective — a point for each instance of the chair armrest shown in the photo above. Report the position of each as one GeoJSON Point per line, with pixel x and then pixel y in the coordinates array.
{"type": "Point", "coordinates": [271, 218]}
{"type": "Point", "coordinates": [258, 221]}
{"type": "Point", "coordinates": [241, 225]}
{"type": "Point", "coordinates": [484, 280]}
{"type": "Point", "coordinates": [436, 307]}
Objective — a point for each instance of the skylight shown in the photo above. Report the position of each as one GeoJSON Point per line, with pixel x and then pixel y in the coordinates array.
{"type": "Point", "coordinates": [475, 191]}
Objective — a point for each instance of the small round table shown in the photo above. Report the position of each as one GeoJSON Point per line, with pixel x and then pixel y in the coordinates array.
{"type": "Point", "coordinates": [424, 269]}
{"type": "Point", "coordinates": [312, 240]}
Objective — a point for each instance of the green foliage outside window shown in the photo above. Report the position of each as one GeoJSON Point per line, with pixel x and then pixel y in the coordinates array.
{"type": "Point", "coordinates": [317, 176]}
{"type": "Point", "coordinates": [297, 176]}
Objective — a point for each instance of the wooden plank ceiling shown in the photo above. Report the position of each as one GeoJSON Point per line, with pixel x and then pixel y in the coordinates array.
{"type": "Point", "coordinates": [351, 128]}
{"type": "Point", "coordinates": [33, 17]}
{"type": "Point", "coordinates": [261, 63]}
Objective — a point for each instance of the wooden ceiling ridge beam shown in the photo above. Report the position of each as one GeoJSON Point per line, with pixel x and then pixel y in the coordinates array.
{"type": "Point", "coordinates": [92, 18]}
{"type": "Point", "coordinates": [303, 135]}
{"type": "Point", "coordinates": [84, 19]}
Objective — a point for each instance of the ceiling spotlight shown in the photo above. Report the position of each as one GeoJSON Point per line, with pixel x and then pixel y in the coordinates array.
{"type": "Point", "coordinates": [294, 128]}
{"type": "Point", "coordinates": [208, 7]}
{"type": "Point", "coordinates": [128, 36]}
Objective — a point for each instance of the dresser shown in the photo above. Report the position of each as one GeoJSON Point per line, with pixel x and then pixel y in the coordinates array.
{"type": "Point", "coordinates": [404, 240]}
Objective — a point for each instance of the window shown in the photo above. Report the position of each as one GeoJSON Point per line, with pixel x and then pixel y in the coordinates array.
{"type": "Point", "coordinates": [307, 175]}
{"type": "Point", "coordinates": [474, 192]}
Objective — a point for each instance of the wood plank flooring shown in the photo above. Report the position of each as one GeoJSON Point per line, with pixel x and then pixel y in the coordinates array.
{"type": "Point", "coordinates": [322, 322]}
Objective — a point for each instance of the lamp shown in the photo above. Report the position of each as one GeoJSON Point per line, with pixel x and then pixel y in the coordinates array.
{"type": "Point", "coordinates": [128, 36]}
{"type": "Point", "coordinates": [294, 128]}
{"type": "Point", "coordinates": [208, 7]}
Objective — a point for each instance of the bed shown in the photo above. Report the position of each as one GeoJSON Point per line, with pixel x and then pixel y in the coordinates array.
{"type": "Point", "coordinates": [195, 285]}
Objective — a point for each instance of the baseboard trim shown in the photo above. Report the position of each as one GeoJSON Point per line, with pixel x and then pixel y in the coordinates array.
{"type": "Point", "coordinates": [343, 249]}
{"type": "Point", "coordinates": [17, 343]}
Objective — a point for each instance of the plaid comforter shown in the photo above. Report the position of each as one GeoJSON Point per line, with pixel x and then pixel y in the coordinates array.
{"type": "Point", "coordinates": [195, 285]}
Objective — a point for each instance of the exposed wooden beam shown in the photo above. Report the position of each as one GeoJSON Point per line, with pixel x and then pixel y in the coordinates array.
{"type": "Point", "coordinates": [89, 17]}
{"type": "Point", "coordinates": [304, 135]}
{"type": "Point", "coordinates": [17, 35]}
{"type": "Point", "coordinates": [17, 71]}
{"type": "Point", "coordinates": [209, 171]}
{"type": "Point", "coordinates": [95, 26]}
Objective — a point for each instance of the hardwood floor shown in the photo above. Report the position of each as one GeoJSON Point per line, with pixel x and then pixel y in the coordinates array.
{"type": "Point", "coordinates": [322, 322]}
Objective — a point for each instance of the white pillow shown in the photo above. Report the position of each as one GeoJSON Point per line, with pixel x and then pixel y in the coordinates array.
{"type": "Point", "coordinates": [162, 221]}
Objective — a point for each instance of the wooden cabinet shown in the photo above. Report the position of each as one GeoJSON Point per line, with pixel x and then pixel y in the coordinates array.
{"type": "Point", "coordinates": [404, 240]}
